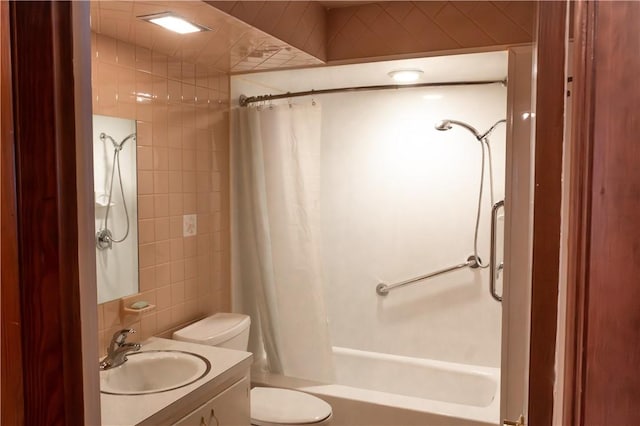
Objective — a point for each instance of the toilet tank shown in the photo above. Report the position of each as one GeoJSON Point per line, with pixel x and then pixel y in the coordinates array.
{"type": "Point", "coordinates": [223, 330]}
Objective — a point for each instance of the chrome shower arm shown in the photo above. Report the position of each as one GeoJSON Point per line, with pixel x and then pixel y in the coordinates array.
{"type": "Point", "coordinates": [117, 146]}
{"type": "Point", "coordinates": [492, 128]}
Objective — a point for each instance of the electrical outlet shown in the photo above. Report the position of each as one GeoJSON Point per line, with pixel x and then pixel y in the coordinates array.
{"type": "Point", "coordinates": [189, 225]}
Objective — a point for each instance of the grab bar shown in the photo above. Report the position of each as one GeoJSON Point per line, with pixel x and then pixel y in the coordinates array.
{"type": "Point", "coordinates": [383, 289]}
{"type": "Point", "coordinates": [492, 259]}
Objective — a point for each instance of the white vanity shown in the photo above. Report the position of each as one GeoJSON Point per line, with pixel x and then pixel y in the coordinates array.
{"type": "Point", "coordinates": [217, 394]}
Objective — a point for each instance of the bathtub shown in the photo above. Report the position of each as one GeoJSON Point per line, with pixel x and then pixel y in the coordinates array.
{"type": "Point", "coordinates": [391, 390]}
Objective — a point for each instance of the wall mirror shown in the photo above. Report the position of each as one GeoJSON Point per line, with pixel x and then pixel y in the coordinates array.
{"type": "Point", "coordinates": [116, 207]}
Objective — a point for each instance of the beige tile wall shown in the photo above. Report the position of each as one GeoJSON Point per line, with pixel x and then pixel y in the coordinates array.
{"type": "Point", "coordinates": [181, 110]}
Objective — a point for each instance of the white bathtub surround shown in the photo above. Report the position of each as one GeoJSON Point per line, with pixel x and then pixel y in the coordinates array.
{"type": "Point", "coordinates": [398, 200]}
{"type": "Point", "coordinates": [447, 389]}
{"type": "Point", "coordinates": [276, 237]}
{"type": "Point", "coordinates": [449, 382]}
{"type": "Point", "coordinates": [381, 389]}
{"type": "Point", "coordinates": [355, 406]}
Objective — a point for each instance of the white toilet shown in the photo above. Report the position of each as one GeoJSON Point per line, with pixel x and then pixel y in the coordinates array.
{"type": "Point", "coordinates": [269, 406]}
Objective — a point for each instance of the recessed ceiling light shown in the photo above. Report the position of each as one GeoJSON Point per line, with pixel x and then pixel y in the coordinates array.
{"type": "Point", "coordinates": [406, 76]}
{"type": "Point", "coordinates": [173, 22]}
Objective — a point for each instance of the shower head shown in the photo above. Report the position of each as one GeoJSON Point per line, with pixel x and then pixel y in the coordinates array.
{"type": "Point", "coordinates": [443, 125]}
{"type": "Point", "coordinates": [116, 145]}
{"type": "Point", "coordinates": [448, 124]}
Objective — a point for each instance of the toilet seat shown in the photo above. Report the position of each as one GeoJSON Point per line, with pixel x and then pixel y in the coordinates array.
{"type": "Point", "coordinates": [274, 406]}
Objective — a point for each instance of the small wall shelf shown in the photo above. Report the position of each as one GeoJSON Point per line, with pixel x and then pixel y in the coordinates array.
{"type": "Point", "coordinates": [126, 309]}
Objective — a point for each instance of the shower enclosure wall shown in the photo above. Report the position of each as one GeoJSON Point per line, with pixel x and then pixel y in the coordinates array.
{"type": "Point", "coordinates": [117, 266]}
{"type": "Point", "coordinates": [398, 200]}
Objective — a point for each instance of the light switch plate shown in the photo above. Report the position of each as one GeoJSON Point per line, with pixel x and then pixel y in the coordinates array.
{"type": "Point", "coordinates": [189, 225]}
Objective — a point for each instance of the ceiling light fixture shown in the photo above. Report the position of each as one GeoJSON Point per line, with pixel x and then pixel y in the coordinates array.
{"type": "Point", "coordinates": [173, 22]}
{"type": "Point", "coordinates": [406, 76]}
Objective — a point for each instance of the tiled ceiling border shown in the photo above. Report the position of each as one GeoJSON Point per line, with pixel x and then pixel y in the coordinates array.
{"type": "Point", "coordinates": [403, 27]}
{"type": "Point", "coordinates": [373, 30]}
{"type": "Point", "coordinates": [302, 24]}
{"type": "Point", "coordinates": [261, 35]}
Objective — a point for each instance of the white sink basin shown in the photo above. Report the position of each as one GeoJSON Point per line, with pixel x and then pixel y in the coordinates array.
{"type": "Point", "coordinates": [154, 371]}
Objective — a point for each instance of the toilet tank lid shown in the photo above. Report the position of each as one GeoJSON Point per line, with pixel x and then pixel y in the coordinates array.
{"type": "Point", "coordinates": [284, 406]}
{"type": "Point", "coordinates": [214, 330]}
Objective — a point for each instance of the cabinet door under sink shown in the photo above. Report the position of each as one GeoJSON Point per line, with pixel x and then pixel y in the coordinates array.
{"type": "Point", "coordinates": [229, 408]}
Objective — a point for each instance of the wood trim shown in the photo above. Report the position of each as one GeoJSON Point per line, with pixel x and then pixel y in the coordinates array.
{"type": "Point", "coordinates": [71, 321]}
{"type": "Point", "coordinates": [11, 394]}
{"type": "Point", "coordinates": [611, 383]}
{"type": "Point", "coordinates": [580, 208]}
{"type": "Point", "coordinates": [43, 108]}
{"type": "Point", "coordinates": [550, 99]}
{"type": "Point", "coordinates": [603, 386]}
{"type": "Point", "coordinates": [86, 213]}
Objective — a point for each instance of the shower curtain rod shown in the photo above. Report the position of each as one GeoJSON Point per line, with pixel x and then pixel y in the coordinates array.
{"type": "Point", "coordinates": [246, 100]}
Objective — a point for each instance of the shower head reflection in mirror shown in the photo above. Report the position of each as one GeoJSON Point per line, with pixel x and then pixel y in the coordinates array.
{"type": "Point", "coordinates": [104, 237]}
{"type": "Point", "coordinates": [116, 218]}
{"type": "Point", "coordinates": [483, 138]}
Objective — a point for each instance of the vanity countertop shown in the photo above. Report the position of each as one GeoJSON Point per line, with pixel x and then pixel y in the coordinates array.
{"type": "Point", "coordinates": [227, 367]}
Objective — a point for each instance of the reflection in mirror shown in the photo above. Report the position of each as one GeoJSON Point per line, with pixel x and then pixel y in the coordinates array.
{"type": "Point", "coordinates": [116, 209]}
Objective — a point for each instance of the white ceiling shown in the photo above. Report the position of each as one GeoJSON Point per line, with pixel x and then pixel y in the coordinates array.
{"type": "Point", "coordinates": [467, 67]}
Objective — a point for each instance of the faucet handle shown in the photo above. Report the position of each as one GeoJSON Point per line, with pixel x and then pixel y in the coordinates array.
{"type": "Point", "coordinates": [119, 337]}
{"type": "Point", "coordinates": [117, 355]}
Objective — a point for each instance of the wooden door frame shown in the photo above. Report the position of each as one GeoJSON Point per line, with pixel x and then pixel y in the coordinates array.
{"type": "Point", "coordinates": [11, 392]}
{"type": "Point", "coordinates": [49, 211]}
{"type": "Point", "coordinates": [601, 384]}
{"type": "Point", "coordinates": [580, 215]}
{"type": "Point", "coordinates": [551, 81]}
{"type": "Point", "coordinates": [48, 335]}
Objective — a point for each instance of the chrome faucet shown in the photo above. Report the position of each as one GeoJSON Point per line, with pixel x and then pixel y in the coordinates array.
{"type": "Point", "coordinates": [118, 349]}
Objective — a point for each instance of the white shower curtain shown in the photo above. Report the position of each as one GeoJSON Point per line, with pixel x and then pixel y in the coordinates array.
{"type": "Point", "coordinates": [276, 220]}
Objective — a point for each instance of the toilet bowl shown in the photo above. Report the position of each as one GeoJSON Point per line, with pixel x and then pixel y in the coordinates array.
{"type": "Point", "coordinates": [269, 406]}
